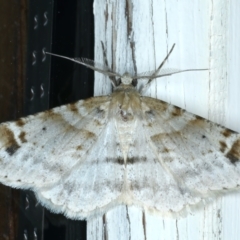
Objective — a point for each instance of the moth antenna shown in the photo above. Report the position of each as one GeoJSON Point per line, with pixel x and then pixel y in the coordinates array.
{"type": "Point", "coordinates": [165, 59]}
{"type": "Point", "coordinates": [144, 88]}
{"type": "Point", "coordinates": [92, 65]}
{"type": "Point", "coordinates": [171, 72]}
{"type": "Point", "coordinates": [112, 78]}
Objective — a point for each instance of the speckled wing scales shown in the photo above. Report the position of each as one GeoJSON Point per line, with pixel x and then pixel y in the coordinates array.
{"type": "Point", "coordinates": [151, 184]}
{"type": "Point", "coordinates": [201, 158]}
{"type": "Point", "coordinates": [39, 150]}
{"type": "Point", "coordinates": [94, 184]}
{"type": "Point", "coordinates": [82, 159]}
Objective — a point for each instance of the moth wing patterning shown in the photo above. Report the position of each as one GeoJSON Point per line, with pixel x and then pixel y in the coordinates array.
{"type": "Point", "coordinates": [95, 182]}
{"type": "Point", "coordinates": [151, 185]}
{"type": "Point", "coordinates": [40, 149]}
{"type": "Point", "coordinates": [201, 158]}
{"type": "Point", "coordinates": [82, 159]}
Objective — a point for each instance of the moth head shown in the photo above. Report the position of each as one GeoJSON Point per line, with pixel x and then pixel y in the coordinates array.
{"type": "Point", "coordinates": [126, 79]}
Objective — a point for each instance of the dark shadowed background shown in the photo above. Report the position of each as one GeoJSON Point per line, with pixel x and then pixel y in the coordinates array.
{"type": "Point", "coordinates": [30, 82]}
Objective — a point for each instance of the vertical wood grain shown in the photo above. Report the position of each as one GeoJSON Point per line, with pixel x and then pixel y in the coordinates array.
{"type": "Point", "coordinates": [206, 36]}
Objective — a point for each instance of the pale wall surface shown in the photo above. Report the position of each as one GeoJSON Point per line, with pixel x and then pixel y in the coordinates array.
{"type": "Point", "coordinates": [206, 36]}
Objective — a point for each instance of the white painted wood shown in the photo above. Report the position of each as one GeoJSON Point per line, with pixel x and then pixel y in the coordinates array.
{"type": "Point", "coordinates": [206, 35]}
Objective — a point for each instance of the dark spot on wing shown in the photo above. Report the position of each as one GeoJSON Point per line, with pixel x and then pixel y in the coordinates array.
{"type": "Point", "coordinates": [19, 180]}
{"type": "Point", "coordinates": [150, 114]}
{"type": "Point", "coordinates": [165, 150]}
{"type": "Point", "coordinates": [89, 134]}
{"type": "Point", "coordinates": [99, 110]}
{"type": "Point", "coordinates": [20, 122]}
{"type": "Point", "coordinates": [22, 137]}
{"type": "Point", "coordinates": [97, 122]}
{"type": "Point", "coordinates": [73, 107]}
{"type": "Point", "coordinates": [135, 186]}
{"type": "Point", "coordinates": [12, 149]}
{"type": "Point", "coordinates": [177, 111]}
{"type": "Point", "coordinates": [223, 146]}
{"type": "Point", "coordinates": [199, 118]}
{"type": "Point", "coordinates": [11, 144]}
{"type": "Point", "coordinates": [100, 113]}
{"type": "Point", "coordinates": [203, 136]}
{"type": "Point", "coordinates": [227, 132]}
{"type": "Point", "coordinates": [198, 121]}
{"type": "Point", "coordinates": [149, 124]}
{"type": "Point", "coordinates": [234, 154]}
{"type": "Point", "coordinates": [50, 112]}
{"type": "Point", "coordinates": [134, 160]}
{"type": "Point", "coordinates": [157, 137]}
{"type": "Point", "coordinates": [44, 128]}
{"type": "Point", "coordinates": [118, 160]}
{"type": "Point", "coordinates": [79, 148]}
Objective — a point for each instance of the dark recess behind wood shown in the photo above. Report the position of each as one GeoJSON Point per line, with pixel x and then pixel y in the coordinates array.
{"type": "Point", "coordinates": [73, 37]}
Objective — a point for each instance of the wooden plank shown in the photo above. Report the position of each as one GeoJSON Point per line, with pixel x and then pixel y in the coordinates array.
{"type": "Point", "coordinates": [205, 36]}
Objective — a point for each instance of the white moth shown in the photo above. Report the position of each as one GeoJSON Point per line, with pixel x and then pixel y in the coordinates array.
{"type": "Point", "coordinates": [84, 158]}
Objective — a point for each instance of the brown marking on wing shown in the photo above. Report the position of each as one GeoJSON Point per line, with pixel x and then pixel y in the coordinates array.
{"type": "Point", "coordinates": [58, 118]}
{"type": "Point", "coordinates": [22, 137]}
{"type": "Point", "coordinates": [177, 111]}
{"type": "Point", "coordinates": [223, 146]}
{"type": "Point", "coordinates": [89, 103]}
{"type": "Point", "coordinates": [89, 134]}
{"type": "Point", "coordinates": [100, 113]}
{"type": "Point", "coordinates": [97, 122]}
{"type": "Point", "coordinates": [134, 160]}
{"type": "Point", "coordinates": [79, 148]}
{"type": "Point", "coordinates": [10, 142]}
{"type": "Point", "coordinates": [154, 103]}
{"type": "Point", "coordinates": [198, 121]}
{"type": "Point", "coordinates": [50, 112]}
{"type": "Point", "coordinates": [119, 160]}
{"type": "Point", "coordinates": [149, 124]}
{"type": "Point", "coordinates": [72, 107]}
{"type": "Point", "coordinates": [234, 153]}
{"type": "Point", "coordinates": [158, 137]}
{"type": "Point", "coordinates": [164, 106]}
{"type": "Point", "coordinates": [199, 118]}
{"type": "Point", "coordinates": [92, 102]}
{"type": "Point", "coordinates": [150, 114]}
{"type": "Point", "coordinates": [20, 122]}
{"type": "Point", "coordinates": [166, 150]}
{"type": "Point", "coordinates": [227, 132]}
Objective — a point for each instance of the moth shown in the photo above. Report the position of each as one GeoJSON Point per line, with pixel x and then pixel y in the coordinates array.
{"type": "Point", "coordinates": [82, 159]}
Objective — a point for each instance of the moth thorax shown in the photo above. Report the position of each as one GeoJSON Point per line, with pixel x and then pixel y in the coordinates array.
{"type": "Point", "coordinates": [126, 115]}
{"type": "Point", "coordinates": [126, 79]}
